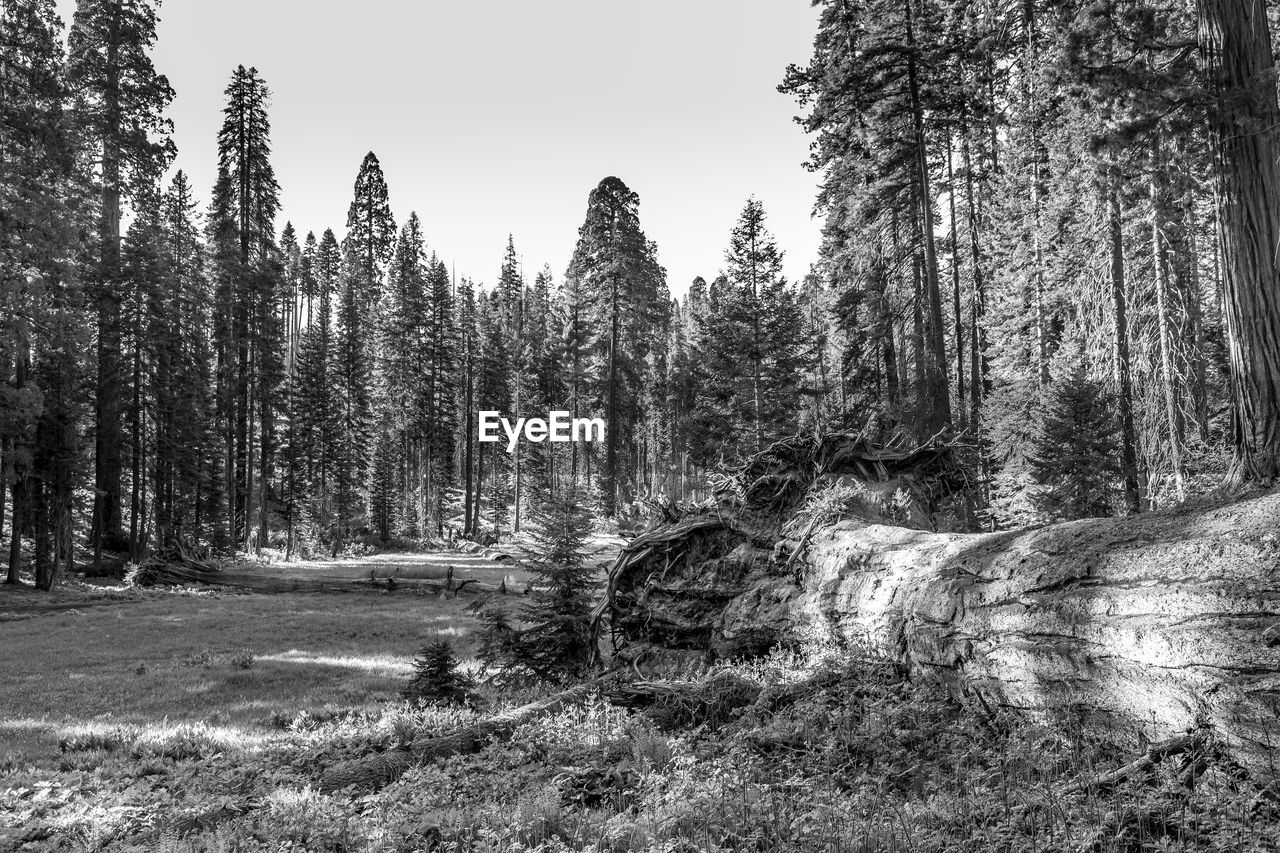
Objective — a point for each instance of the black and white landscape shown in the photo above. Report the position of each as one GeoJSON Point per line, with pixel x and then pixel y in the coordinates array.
{"type": "Point", "coordinates": [920, 495]}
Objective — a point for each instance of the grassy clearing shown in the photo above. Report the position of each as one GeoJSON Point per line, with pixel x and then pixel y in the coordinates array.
{"type": "Point", "coordinates": [237, 663]}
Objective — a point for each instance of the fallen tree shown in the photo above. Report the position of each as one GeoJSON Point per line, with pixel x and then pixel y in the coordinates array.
{"type": "Point", "coordinates": [182, 568]}
{"type": "Point", "coordinates": [1162, 621]}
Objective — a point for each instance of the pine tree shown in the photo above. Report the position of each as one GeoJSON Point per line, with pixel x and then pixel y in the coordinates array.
{"type": "Point", "coordinates": [120, 101]}
{"type": "Point", "coordinates": [468, 364]}
{"type": "Point", "coordinates": [186, 484]}
{"type": "Point", "coordinates": [554, 641]}
{"type": "Point", "coordinates": [314, 418]}
{"type": "Point", "coordinates": [371, 232]}
{"type": "Point", "coordinates": [354, 375]}
{"type": "Point", "coordinates": [403, 346]}
{"type": "Point", "coordinates": [248, 197]}
{"type": "Point", "coordinates": [557, 643]}
{"type": "Point", "coordinates": [494, 393]}
{"type": "Point", "coordinates": [624, 303]}
{"type": "Point", "coordinates": [510, 295]}
{"type": "Point", "coordinates": [871, 90]}
{"type": "Point", "coordinates": [144, 303]}
{"type": "Point", "coordinates": [438, 394]}
{"type": "Point", "coordinates": [1076, 454]}
{"type": "Point", "coordinates": [540, 388]}
{"type": "Point", "coordinates": [754, 268]}
{"type": "Point", "coordinates": [437, 678]}
{"type": "Point", "coordinates": [44, 327]}
{"type": "Point", "coordinates": [749, 345]}
{"type": "Point", "coordinates": [384, 492]}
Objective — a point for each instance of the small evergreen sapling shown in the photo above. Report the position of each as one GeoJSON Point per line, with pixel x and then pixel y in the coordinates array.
{"type": "Point", "coordinates": [554, 643]}
{"type": "Point", "coordinates": [436, 677]}
{"type": "Point", "coordinates": [1075, 456]}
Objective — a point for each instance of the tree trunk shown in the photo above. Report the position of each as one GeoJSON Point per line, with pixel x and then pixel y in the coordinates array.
{"type": "Point", "coordinates": [609, 477]}
{"type": "Point", "coordinates": [468, 526]}
{"type": "Point", "coordinates": [937, 413]}
{"type": "Point", "coordinates": [475, 506]}
{"type": "Point", "coordinates": [979, 366]}
{"type": "Point", "coordinates": [1124, 384]}
{"type": "Point", "coordinates": [1236, 39]}
{"type": "Point", "coordinates": [1152, 620]}
{"type": "Point", "coordinates": [1170, 386]}
{"type": "Point", "coordinates": [1195, 314]}
{"type": "Point", "coordinates": [1148, 623]}
{"type": "Point", "coordinates": [15, 533]}
{"type": "Point", "coordinates": [11, 573]}
{"type": "Point", "coordinates": [958, 315]}
{"type": "Point", "coordinates": [108, 430]}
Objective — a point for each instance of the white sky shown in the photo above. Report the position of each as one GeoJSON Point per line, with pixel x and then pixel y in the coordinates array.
{"type": "Point", "coordinates": [500, 116]}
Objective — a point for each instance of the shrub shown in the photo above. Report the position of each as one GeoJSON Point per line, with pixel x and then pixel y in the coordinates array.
{"type": "Point", "coordinates": [436, 676]}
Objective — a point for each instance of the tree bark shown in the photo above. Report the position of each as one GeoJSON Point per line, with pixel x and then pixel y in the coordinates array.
{"type": "Point", "coordinates": [1124, 383]}
{"type": "Point", "coordinates": [1235, 37]}
{"type": "Point", "coordinates": [1162, 619]}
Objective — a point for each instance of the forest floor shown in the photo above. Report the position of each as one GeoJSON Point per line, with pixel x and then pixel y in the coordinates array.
{"type": "Point", "coordinates": [827, 750]}
{"type": "Point", "coordinates": [206, 720]}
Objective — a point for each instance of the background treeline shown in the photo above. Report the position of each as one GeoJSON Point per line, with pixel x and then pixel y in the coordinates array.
{"type": "Point", "coordinates": [1050, 235]}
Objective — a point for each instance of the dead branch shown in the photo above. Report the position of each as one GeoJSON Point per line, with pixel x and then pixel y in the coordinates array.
{"type": "Point", "coordinates": [378, 770]}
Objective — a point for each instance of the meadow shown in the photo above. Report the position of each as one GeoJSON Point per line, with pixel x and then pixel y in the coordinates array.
{"type": "Point", "coordinates": [188, 721]}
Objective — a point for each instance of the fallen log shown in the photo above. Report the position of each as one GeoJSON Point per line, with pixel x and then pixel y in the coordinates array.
{"type": "Point", "coordinates": [376, 771]}
{"type": "Point", "coordinates": [1160, 619]}
{"type": "Point", "coordinates": [183, 575]}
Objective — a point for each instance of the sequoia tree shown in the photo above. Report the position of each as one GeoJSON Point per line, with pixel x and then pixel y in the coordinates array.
{"type": "Point", "coordinates": [1236, 39]}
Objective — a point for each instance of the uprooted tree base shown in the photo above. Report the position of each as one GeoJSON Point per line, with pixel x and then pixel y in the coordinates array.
{"type": "Point", "coordinates": [1169, 620]}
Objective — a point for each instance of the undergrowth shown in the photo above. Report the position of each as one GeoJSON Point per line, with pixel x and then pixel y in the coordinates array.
{"type": "Point", "coordinates": [826, 750]}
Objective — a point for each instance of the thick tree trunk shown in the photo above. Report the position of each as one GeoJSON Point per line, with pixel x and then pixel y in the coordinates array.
{"type": "Point", "coordinates": [1158, 620]}
{"type": "Point", "coordinates": [1236, 39]}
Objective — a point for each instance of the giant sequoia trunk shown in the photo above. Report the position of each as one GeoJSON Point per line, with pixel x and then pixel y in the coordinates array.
{"type": "Point", "coordinates": [1237, 42]}
{"type": "Point", "coordinates": [1157, 620]}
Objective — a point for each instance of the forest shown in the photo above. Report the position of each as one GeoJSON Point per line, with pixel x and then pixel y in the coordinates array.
{"type": "Point", "coordinates": [1047, 291]}
{"type": "Point", "coordinates": [1022, 247]}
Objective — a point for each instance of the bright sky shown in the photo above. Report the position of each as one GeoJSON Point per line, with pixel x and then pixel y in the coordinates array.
{"type": "Point", "coordinates": [500, 116]}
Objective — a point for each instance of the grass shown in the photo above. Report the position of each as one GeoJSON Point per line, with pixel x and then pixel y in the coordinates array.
{"type": "Point", "coordinates": [186, 723]}
{"type": "Point", "coordinates": [231, 661]}
{"type": "Point", "coordinates": [859, 760]}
